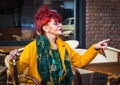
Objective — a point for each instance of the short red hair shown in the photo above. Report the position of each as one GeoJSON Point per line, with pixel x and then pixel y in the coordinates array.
{"type": "Point", "coordinates": [43, 16]}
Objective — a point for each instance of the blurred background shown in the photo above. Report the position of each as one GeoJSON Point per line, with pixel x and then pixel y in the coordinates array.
{"type": "Point", "coordinates": [87, 21]}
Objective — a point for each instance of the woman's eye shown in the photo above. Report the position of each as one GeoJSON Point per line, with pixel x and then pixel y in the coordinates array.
{"type": "Point", "coordinates": [55, 23]}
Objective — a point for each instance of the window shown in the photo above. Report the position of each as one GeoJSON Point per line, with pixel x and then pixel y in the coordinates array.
{"type": "Point", "coordinates": [72, 11]}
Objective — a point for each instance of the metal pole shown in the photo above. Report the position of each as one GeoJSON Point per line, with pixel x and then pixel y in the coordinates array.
{"type": "Point", "coordinates": [15, 73]}
{"type": "Point", "coordinates": [15, 67]}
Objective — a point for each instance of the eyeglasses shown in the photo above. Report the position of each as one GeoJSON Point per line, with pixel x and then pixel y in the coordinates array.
{"type": "Point", "coordinates": [57, 24]}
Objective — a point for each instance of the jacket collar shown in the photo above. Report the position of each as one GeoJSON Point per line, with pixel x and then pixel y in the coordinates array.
{"type": "Point", "coordinates": [61, 47]}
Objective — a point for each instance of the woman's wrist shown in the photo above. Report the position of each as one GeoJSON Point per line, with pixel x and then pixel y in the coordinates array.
{"type": "Point", "coordinates": [96, 47]}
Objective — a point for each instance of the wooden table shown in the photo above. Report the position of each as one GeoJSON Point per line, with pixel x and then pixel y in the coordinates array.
{"type": "Point", "coordinates": [112, 69]}
{"type": "Point", "coordinates": [3, 75]}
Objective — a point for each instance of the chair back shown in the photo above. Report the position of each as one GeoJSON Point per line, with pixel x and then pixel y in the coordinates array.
{"type": "Point", "coordinates": [73, 43]}
{"type": "Point", "coordinates": [112, 54]}
{"type": "Point", "coordinates": [7, 59]}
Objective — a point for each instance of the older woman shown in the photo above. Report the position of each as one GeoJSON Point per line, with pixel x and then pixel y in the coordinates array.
{"type": "Point", "coordinates": [48, 57]}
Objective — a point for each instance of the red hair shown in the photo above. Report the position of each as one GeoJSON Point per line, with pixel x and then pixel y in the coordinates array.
{"type": "Point", "coordinates": [43, 16]}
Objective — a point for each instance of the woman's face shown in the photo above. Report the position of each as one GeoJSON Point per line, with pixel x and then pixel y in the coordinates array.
{"type": "Point", "coordinates": [54, 27]}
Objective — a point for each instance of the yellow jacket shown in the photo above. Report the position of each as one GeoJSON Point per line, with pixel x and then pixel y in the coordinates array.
{"type": "Point", "coordinates": [28, 57]}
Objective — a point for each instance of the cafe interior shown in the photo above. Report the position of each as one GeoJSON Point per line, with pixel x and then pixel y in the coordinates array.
{"type": "Point", "coordinates": [85, 22]}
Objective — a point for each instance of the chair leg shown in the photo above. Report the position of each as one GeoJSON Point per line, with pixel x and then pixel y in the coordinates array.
{"type": "Point", "coordinates": [91, 78]}
{"type": "Point", "coordinates": [77, 80]}
{"type": "Point", "coordinates": [9, 79]}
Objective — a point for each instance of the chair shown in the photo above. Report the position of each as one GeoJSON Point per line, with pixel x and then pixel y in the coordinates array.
{"type": "Point", "coordinates": [3, 53]}
{"type": "Point", "coordinates": [98, 59]}
{"type": "Point", "coordinates": [112, 54]}
{"type": "Point", "coordinates": [22, 78]}
{"type": "Point", "coordinates": [73, 43]}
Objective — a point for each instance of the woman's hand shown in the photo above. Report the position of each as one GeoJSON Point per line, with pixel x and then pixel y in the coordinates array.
{"type": "Point", "coordinates": [14, 54]}
{"type": "Point", "coordinates": [102, 44]}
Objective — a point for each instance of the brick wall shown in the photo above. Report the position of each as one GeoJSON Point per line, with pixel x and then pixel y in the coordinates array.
{"type": "Point", "coordinates": [103, 21]}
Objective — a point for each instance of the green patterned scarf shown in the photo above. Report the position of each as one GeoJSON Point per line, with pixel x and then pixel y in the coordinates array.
{"type": "Point", "coordinates": [46, 68]}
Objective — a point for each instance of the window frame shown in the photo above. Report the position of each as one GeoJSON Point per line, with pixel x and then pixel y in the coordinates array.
{"type": "Point", "coordinates": [80, 22]}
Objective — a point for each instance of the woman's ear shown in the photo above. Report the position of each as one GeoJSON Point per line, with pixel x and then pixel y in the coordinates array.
{"type": "Point", "coordinates": [45, 28]}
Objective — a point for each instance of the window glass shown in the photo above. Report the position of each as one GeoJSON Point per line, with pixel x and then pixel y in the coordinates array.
{"type": "Point", "coordinates": [17, 21]}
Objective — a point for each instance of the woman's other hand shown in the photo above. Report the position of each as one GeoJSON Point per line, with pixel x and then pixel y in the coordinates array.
{"type": "Point", "coordinates": [102, 44]}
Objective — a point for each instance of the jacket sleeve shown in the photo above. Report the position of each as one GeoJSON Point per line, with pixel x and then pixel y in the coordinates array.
{"type": "Point", "coordinates": [24, 59]}
{"type": "Point", "coordinates": [79, 60]}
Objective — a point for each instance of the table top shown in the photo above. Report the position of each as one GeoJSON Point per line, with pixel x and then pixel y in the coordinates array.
{"type": "Point", "coordinates": [2, 69]}
{"type": "Point", "coordinates": [109, 68]}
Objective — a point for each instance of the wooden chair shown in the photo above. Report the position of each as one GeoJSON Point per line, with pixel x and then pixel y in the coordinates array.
{"type": "Point", "coordinates": [22, 78]}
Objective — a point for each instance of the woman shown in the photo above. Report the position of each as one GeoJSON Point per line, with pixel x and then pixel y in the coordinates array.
{"type": "Point", "coordinates": [48, 57]}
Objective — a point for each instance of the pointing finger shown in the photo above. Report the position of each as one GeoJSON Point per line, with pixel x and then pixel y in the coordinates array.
{"type": "Point", "coordinates": [104, 41]}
